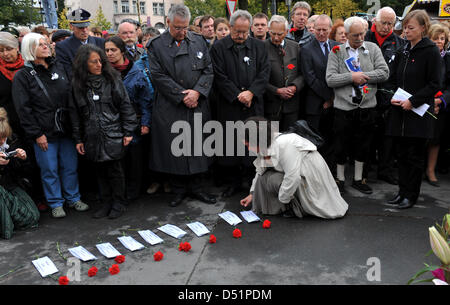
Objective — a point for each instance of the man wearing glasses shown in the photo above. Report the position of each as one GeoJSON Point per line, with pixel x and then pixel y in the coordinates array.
{"type": "Point", "coordinates": [281, 102]}
{"type": "Point", "coordinates": [382, 34]}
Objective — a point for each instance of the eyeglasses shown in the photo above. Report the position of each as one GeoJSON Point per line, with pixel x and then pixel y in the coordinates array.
{"type": "Point", "coordinates": [386, 23]}
{"type": "Point", "coordinates": [179, 29]}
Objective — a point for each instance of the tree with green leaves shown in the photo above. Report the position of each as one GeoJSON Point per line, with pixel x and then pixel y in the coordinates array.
{"type": "Point", "coordinates": [101, 21]}
{"type": "Point", "coordinates": [18, 12]}
{"type": "Point", "coordinates": [63, 22]}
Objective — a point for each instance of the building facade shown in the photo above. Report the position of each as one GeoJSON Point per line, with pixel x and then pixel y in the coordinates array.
{"type": "Point", "coordinates": [150, 12]}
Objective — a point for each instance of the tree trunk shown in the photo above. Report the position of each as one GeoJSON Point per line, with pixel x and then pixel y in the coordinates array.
{"type": "Point", "coordinates": [243, 5]}
{"type": "Point", "coordinates": [265, 6]}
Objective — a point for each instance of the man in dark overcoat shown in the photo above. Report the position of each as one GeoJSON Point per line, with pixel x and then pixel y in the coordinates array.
{"type": "Point", "coordinates": [182, 75]}
{"type": "Point", "coordinates": [241, 73]}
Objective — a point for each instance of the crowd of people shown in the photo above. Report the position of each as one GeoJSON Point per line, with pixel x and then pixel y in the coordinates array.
{"type": "Point", "coordinates": [82, 101]}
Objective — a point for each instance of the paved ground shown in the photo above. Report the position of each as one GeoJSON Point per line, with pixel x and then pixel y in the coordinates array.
{"type": "Point", "coordinates": [292, 251]}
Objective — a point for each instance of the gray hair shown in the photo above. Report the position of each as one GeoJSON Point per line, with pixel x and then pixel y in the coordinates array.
{"type": "Point", "coordinates": [385, 9]}
{"type": "Point", "coordinates": [240, 14]}
{"type": "Point", "coordinates": [301, 4]}
{"type": "Point", "coordinates": [23, 29]}
{"type": "Point", "coordinates": [324, 16]}
{"type": "Point", "coordinates": [30, 43]}
{"type": "Point", "coordinates": [150, 31]}
{"type": "Point", "coordinates": [179, 10]}
{"type": "Point", "coordinates": [8, 40]}
{"type": "Point", "coordinates": [279, 19]}
{"type": "Point", "coordinates": [350, 21]}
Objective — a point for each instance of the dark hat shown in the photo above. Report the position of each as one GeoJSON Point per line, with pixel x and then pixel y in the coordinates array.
{"type": "Point", "coordinates": [60, 34]}
{"type": "Point", "coordinates": [11, 30]}
{"type": "Point", "coordinates": [79, 18]}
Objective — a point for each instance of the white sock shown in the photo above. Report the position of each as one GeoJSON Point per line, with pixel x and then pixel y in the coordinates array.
{"type": "Point", "coordinates": [358, 170]}
{"type": "Point", "coordinates": [341, 172]}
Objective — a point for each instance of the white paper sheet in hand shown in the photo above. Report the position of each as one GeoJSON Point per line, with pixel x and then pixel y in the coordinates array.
{"type": "Point", "coordinates": [82, 254]}
{"type": "Point", "coordinates": [230, 217]}
{"type": "Point", "coordinates": [402, 95]}
{"type": "Point", "coordinates": [173, 231]}
{"type": "Point", "coordinates": [108, 250]}
{"type": "Point", "coordinates": [150, 237]}
{"type": "Point", "coordinates": [130, 243]}
{"type": "Point", "coordinates": [198, 228]}
{"type": "Point", "coordinates": [45, 266]}
{"type": "Point", "coordinates": [249, 216]}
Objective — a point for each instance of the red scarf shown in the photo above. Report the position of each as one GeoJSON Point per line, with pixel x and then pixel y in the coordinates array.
{"type": "Point", "coordinates": [9, 69]}
{"type": "Point", "coordinates": [121, 67]}
{"type": "Point", "coordinates": [379, 38]}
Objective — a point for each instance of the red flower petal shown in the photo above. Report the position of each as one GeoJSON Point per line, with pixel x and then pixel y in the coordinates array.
{"type": "Point", "coordinates": [293, 30]}
{"type": "Point", "coordinates": [120, 259]}
{"type": "Point", "coordinates": [63, 280]}
{"type": "Point", "coordinates": [266, 224]}
{"type": "Point", "coordinates": [439, 94]}
{"type": "Point", "coordinates": [237, 233]}
{"type": "Point", "coordinates": [290, 66]}
{"type": "Point", "coordinates": [184, 247]}
{"type": "Point", "coordinates": [139, 45]}
{"type": "Point", "coordinates": [92, 271]}
{"type": "Point", "coordinates": [212, 239]}
{"type": "Point", "coordinates": [114, 269]}
{"type": "Point", "coordinates": [366, 89]}
{"type": "Point", "coordinates": [158, 256]}
{"type": "Point", "coordinates": [335, 49]}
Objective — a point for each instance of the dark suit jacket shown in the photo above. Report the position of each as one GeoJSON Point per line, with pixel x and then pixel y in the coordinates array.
{"type": "Point", "coordinates": [314, 66]}
{"type": "Point", "coordinates": [66, 50]}
{"type": "Point", "coordinates": [284, 71]}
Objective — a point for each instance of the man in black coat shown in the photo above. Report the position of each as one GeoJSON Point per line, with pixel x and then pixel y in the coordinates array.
{"type": "Point", "coordinates": [182, 76]}
{"type": "Point", "coordinates": [241, 73]}
{"type": "Point", "coordinates": [382, 34]}
{"type": "Point", "coordinates": [281, 101]}
{"type": "Point", "coordinates": [66, 49]}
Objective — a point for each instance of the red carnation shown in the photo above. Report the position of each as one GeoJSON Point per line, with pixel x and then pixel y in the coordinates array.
{"type": "Point", "coordinates": [114, 269]}
{"type": "Point", "coordinates": [290, 66]}
{"type": "Point", "coordinates": [92, 271]}
{"type": "Point", "coordinates": [212, 239]}
{"type": "Point", "coordinates": [266, 224]}
{"type": "Point", "coordinates": [139, 46]}
{"type": "Point", "coordinates": [158, 256]}
{"type": "Point", "coordinates": [237, 233]}
{"type": "Point", "coordinates": [335, 49]}
{"type": "Point", "coordinates": [439, 94]}
{"type": "Point", "coordinates": [63, 280]}
{"type": "Point", "coordinates": [366, 89]}
{"type": "Point", "coordinates": [184, 247]}
{"type": "Point", "coordinates": [120, 259]}
{"type": "Point", "coordinates": [293, 30]}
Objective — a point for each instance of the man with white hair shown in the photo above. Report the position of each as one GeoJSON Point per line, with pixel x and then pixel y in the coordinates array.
{"type": "Point", "coordinates": [353, 71]}
{"type": "Point", "coordinates": [382, 34]}
{"type": "Point", "coordinates": [241, 73]}
{"type": "Point", "coordinates": [281, 100]}
{"type": "Point", "coordinates": [127, 31]}
{"type": "Point", "coordinates": [299, 16]}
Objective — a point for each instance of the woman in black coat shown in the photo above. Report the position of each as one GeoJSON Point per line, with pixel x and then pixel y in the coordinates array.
{"type": "Point", "coordinates": [416, 69]}
{"type": "Point", "coordinates": [103, 121]}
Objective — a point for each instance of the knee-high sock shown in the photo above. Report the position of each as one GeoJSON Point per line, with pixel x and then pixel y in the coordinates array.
{"type": "Point", "coordinates": [358, 170]}
{"type": "Point", "coordinates": [341, 172]}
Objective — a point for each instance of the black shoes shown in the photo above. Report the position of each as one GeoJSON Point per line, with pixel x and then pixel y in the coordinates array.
{"type": "Point", "coordinates": [341, 186]}
{"type": "Point", "coordinates": [396, 200]}
{"type": "Point", "coordinates": [113, 211]}
{"type": "Point", "coordinates": [288, 213]}
{"type": "Point", "coordinates": [361, 186]}
{"type": "Point", "coordinates": [230, 191]}
{"type": "Point", "coordinates": [103, 211]}
{"type": "Point", "coordinates": [177, 200]}
{"type": "Point", "coordinates": [206, 198]}
{"type": "Point", "coordinates": [405, 204]}
{"type": "Point", "coordinates": [431, 182]}
{"type": "Point", "coordinates": [388, 178]}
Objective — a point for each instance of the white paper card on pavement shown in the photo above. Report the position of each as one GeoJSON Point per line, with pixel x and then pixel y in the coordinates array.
{"type": "Point", "coordinates": [150, 237]}
{"type": "Point", "coordinates": [45, 266]}
{"type": "Point", "coordinates": [172, 230]}
{"type": "Point", "coordinates": [230, 217]}
{"type": "Point", "coordinates": [108, 250]}
{"type": "Point", "coordinates": [130, 243]}
{"type": "Point", "coordinates": [249, 216]}
{"type": "Point", "coordinates": [82, 254]}
{"type": "Point", "coordinates": [402, 95]}
{"type": "Point", "coordinates": [198, 228]}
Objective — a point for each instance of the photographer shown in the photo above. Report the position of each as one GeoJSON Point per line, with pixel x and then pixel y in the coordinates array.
{"type": "Point", "coordinates": [17, 209]}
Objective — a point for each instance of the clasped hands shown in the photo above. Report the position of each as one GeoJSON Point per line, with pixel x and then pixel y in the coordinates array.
{"type": "Point", "coordinates": [287, 92]}
{"type": "Point", "coordinates": [246, 97]}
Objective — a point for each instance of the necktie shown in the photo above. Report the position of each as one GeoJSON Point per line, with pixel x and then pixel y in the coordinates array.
{"type": "Point", "coordinates": [282, 51]}
{"type": "Point", "coordinates": [325, 45]}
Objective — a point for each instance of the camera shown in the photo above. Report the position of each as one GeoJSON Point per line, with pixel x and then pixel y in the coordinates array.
{"type": "Point", "coordinates": [10, 155]}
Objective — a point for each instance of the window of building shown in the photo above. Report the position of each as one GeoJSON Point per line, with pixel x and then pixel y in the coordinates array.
{"type": "Point", "coordinates": [142, 8]}
{"type": "Point", "coordinates": [125, 6]}
{"type": "Point", "coordinates": [158, 9]}
{"type": "Point", "coordinates": [116, 7]}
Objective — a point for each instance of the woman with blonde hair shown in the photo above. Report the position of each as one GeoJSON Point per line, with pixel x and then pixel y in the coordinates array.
{"type": "Point", "coordinates": [17, 209]}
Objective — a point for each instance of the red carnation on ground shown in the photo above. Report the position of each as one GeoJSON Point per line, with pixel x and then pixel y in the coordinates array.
{"type": "Point", "coordinates": [92, 271]}
{"type": "Point", "coordinates": [158, 256]}
{"type": "Point", "coordinates": [120, 259]}
{"type": "Point", "coordinates": [237, 233]}
{"type": "Point", "coordinates": [266, 224]}
{"type": "Point", "coordinates": [365, 89]}
{"type": "Point", "coordinates": [335, 49]}
{"type": "Point", "coordinates": [290, 66]}
{"type": "Point", "coordinates": [63, 280]}
{"type": "Point", "coordinates": [293, 30]}
{"type": "Point", "coordinates": [439, 94]}
{"type": "Point", "coordinates": [212, 239]}
{"type": "Point", "coordinates": [184, 247]}
{"type": "Point", "coordinates": [114, 269]}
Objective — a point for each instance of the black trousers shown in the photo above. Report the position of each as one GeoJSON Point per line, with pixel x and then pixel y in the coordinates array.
{"type": "Point", "coordinates": [411, 164]}
{"type": "Point", "coordinates": [111, 181]}
{"type": "Point", "coordinates": [133, 164]}
{"type": "Point", "coordinates": [354, 130]}
{"type": "Point", "coordinates": [186, 184]}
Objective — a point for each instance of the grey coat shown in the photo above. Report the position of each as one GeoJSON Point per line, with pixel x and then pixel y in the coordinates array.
{"type": "Point", "coordinates": [339, 77]}
{"type": "Point", "coordinates": [173, 70]}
